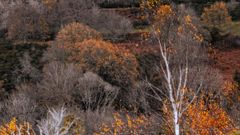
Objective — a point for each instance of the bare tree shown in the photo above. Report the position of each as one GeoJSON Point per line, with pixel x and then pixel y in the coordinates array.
{"type": "Point", "coordinates": [54, 123]}
{"type": "Point", "coordinates": [94, 93]}
{"type": "Point", "coordinates": [20, 105]}
{"type": "Point", "coordinates": [58, 83]}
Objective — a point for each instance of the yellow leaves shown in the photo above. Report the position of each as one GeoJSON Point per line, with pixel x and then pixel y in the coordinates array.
{"type": "Point", "coordinates": [9, 128]}
{"type": "Point", "coordinates": [216, 15]}
{"type": "Point", "coordinates": [13, 128]}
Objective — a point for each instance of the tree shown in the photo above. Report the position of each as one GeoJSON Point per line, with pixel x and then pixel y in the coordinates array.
{"type": "Point", "coordinates": [216, 15]}
{"type": "Point", "coordinates": [76, 32]}
{"type": "Point", "coordinates": [180, 53]}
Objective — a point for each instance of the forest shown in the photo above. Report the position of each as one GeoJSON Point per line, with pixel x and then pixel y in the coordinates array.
{"type": "Point", "coordinates": [119, 67]}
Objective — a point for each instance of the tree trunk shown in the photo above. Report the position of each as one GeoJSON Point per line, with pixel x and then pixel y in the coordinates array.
{"type": "Point", "coordinates": [176, 121]}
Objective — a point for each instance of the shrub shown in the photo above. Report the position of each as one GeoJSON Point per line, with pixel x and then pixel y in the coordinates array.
{"type": "Point", "coordinates": [19, 105]}
{"type": "Point", "coordinates": [58, 83]}
{"type": "Point", "coordinates": [216, 15]}
{"type": "Point", "coordinates": [94, 94]}
{"type": "Point", "coordinates": [76, 32]}
{"type": "Point", "coordinates": [114, 65]}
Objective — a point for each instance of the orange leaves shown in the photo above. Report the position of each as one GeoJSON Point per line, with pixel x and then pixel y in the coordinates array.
{"type": "Point", "coordinates": [215, 15]}
{"type": "Point", "coordinates": [164, 13]}
{"type": "Point", "coordinates": [209, 119]}
{"type": "Point", "coordinates": [13, 128]}
{"type": "Point", "coordinates": [124, 125]}
{"type": "Point", "coordinates": [76, 32]}
{"type": "Point", "coordinates": [169, 20]}
{"type": "Point", "coordinates": [115, 65]}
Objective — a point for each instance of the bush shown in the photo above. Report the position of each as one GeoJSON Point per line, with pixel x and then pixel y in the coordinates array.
{"type": "Point", "coordinates": [94, 94]}
{"type": "Point", "coordinates": [117, 66]}
{"type": "Point", "coordinates": [59, 81]}
{"type": "Point", "coordinates": [216, 15]}
{"type": "Point", "coordinates": [76, 32]}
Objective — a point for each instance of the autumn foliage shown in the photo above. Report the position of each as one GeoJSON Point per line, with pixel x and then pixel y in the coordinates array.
{"type": "Point", "coordinates": [76, 32]}
{"type": "Point", "coordinates": [208, 119]}
{"type": "Point", "coordinates": [215, 15]}
{"type": "Point", "coordinates": [170, 22]}
{"type": "Point", "coordinates": [125, 125]}
{"type": "Point", "coordinates": [13, 128]}
{"type": "Point", "coordinates": [117, 66]}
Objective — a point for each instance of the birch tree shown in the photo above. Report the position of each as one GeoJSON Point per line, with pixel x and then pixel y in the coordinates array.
{"type": "Point", "coordinates": [179, 52]}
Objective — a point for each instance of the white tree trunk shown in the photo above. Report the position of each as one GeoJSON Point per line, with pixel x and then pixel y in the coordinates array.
{"type": "Point", "coordinates": [176, 123]}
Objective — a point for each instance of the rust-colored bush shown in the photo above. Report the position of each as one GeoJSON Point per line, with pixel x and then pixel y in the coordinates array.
{"type": "Point", "coordinates": [76, 32]}
{"type": "Point", "coordinates": [114, 65]}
